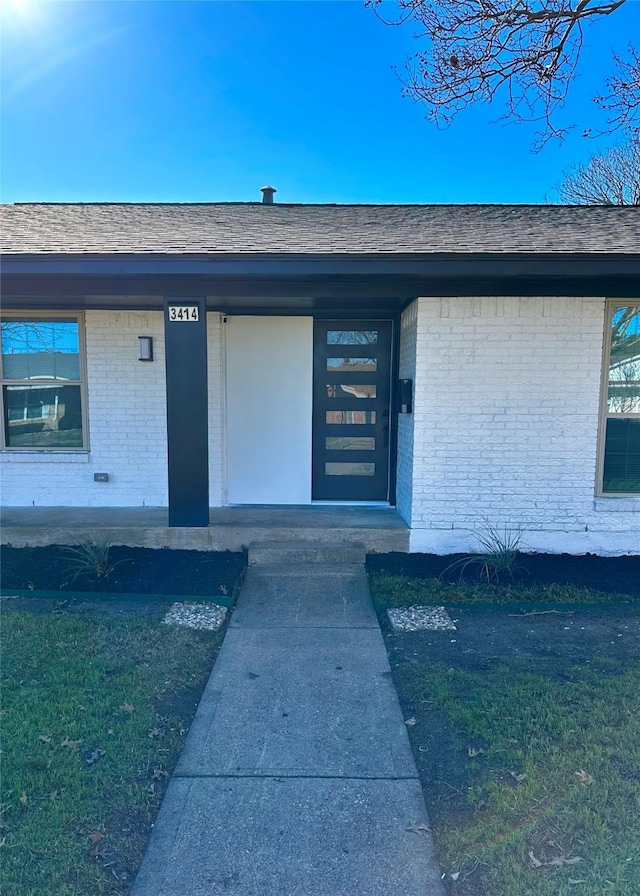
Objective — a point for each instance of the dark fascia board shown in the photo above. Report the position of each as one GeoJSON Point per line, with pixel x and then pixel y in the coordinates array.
{"type": "Point", "coordinates": [306, 284]}
{"type": "Point", "coordinates": [257, 296]}
{"type": "Point", "coordinates": [315, 267]}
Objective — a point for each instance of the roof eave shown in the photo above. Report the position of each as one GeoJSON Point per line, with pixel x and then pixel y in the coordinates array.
{"type": "Point", "coordinates": [314, 265]}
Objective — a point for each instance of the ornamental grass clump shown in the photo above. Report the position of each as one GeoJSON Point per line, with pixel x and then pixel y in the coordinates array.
{"type": "Point", "coordinates": [498, 557]}
{"type": "Point", "coordinates": [90, 557]}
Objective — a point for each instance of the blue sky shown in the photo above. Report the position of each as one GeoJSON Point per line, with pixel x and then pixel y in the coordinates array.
{"type": "Point", "coordinates": [209, 101]}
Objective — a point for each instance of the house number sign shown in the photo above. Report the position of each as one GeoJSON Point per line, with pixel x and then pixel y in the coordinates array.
{"type": "Point", "coordinates": [183, 312]}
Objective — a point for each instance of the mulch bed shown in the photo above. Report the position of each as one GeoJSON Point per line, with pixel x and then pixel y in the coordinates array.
{"type": "Point", "coordinates": [613, 575]}
{"type": "Point", "coordinates": [135, 571]}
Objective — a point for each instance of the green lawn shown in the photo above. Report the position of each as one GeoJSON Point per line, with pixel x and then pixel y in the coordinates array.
{"type": "Point", "coordinates": [94, 716]}
{"type": "Point", "coordinates": [533, 773]}
{"type": "Point", "coordinates": [530, 763]}
{"type": "Point", "coordinates": [390, 590]}
{"type": "Point", "coordinates": [547, 792]}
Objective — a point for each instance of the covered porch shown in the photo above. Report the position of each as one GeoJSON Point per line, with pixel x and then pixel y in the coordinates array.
{"type": "Point", "coordinates": [379, 529]}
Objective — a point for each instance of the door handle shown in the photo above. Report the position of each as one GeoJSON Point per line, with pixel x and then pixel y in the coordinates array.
{"type": "Point", "coordinates": [385, 429]}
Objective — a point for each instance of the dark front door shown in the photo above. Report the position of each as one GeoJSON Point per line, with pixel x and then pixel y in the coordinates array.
{"type": "Point", "coordinates": [351, 410]}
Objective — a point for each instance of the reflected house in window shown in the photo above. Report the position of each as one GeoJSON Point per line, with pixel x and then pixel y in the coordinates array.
{"type": "Point", "coordinates": [342, 390]}
{"type": "Point", "coordinates": [284, 338]}
{"type": "Point", "coordinates": [42, 383]}
{"type": "Point", "coordinates": [624, 361]}
{"type": "Point", "coordinates": [621, 449]}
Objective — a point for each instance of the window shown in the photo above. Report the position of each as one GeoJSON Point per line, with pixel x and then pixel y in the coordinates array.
{"type": "Point", "coordinates": [620, 454]}
{"type": "Point", "coordinates": [43, 383]}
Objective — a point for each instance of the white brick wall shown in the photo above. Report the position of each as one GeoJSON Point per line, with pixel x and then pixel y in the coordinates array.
{"type": "Point", "coordinates": [505, 421]}
{"type": "Point", "coordinates": [504, 428]}
{"type": "Point", "coordinates": [127, 426]}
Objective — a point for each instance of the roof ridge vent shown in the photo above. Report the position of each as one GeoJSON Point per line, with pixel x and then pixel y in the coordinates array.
{"type": "Point", "coordinates": [267, 195]}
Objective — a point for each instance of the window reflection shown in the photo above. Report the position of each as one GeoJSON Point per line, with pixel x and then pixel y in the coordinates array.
{"type": "Point", "coordinates": [44, 416]}
{"type": "Point", "coordinates": [350, 417]}
{"type": "Point", "coordinates": [346, 390]}
{"type": "Point", "coordinates": [345, 469]}
{"type": "Point", "coordinates": [42, 387]}
{"type": "Point", "coordinates": [624, 398]}
{"type": "Point", "coordinates": [352, 337]}
{"type": "Point", "coordinates": [624, 363]}
{"type": "Point", "coordinates": [335, 365]}
{"type": "Point", "coordinates": [350, 443]}
{"type": "Point", "coordinates": [40, 350]}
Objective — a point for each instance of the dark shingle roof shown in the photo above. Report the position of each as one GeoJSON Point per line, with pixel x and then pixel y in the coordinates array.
{"type": "Point", "coordinates": [254, 228]}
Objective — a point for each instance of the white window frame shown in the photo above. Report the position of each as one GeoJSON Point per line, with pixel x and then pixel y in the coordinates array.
{"type": "Point", "coordinates": [610, 308]}
{"type": "Point", "coordinates": [73, 317]}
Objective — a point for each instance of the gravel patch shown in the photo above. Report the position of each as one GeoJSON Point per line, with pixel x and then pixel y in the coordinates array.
{"type": "Point", "coordinates": [414, 619]}
{"type": "Point", "coordinates": [203, 616]}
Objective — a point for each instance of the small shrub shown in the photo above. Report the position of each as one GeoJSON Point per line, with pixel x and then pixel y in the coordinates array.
{"type": "Point", "coordinates": [499, 556]}
{"type": "Point", "coordinates": [90, 558]}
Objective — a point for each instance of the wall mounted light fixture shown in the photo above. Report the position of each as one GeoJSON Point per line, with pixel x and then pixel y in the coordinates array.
{"type": "Point", "coordinates": [145, 348]}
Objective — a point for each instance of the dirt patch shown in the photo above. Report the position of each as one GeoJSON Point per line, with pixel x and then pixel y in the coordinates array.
{"type": "Point", "coordinates": [554, 641]}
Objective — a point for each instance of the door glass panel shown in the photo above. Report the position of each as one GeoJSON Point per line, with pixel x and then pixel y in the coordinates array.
{"type": "Point", "coordinates": [352, 337]}
{"type": "Point", "coordinates": [350, 443]}
{"type": "Point", "coordinates": [349, 417]}
{"type": "Point", "coordinates": [335, 365]}
{"type": "Point", "coordinates": [339, 469]}
{"type": "Point", "coordinates": [350, 390]}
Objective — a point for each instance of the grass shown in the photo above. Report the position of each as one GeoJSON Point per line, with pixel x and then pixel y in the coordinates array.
{"type": "Point", "coordinates": [95, 713]}
{"type": "Point", "coordinates": [530, 765]}
{"type": "Point", "coordinates": [391, 591]}
{"type": "Point", "coordinates": [545, 800]}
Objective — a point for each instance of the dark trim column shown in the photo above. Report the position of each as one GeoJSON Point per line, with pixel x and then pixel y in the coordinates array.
{"type": "Point", "coordinates": [185, 339]}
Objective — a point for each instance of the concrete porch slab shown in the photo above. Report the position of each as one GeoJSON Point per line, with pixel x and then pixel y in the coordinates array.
{"type": "Point", "coordinates": [290, 837]}
{"type": "Point", "coordinates": [252, 721]}
{"type": "Point", "coordinates": [379, 529]}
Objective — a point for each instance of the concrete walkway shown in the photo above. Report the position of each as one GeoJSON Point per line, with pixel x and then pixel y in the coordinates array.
{"type": "Point", "coordinates": [297, 778]}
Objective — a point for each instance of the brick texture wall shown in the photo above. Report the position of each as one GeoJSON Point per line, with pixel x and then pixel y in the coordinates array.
{"type": "Point", "coordinates": [505, 425]}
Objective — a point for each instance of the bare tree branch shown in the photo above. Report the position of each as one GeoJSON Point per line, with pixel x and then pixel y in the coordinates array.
{"type": "Point", "coordinates": [612, 178]}
{"type": "Point", "coordinates": [622, 99]}
{"type": "Point", "coordinates": [524, 52]}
